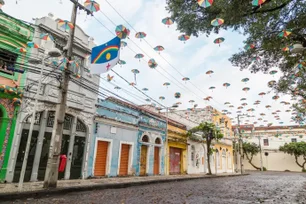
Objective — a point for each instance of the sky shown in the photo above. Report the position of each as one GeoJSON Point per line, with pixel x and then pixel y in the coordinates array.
{"type": "Point", "coordinates": [191, 59]}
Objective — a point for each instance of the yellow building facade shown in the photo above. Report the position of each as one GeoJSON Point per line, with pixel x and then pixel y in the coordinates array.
{"type": "Point", "coordinates": [223, 155]}
{"type": "Point", "coordinates": [176, 156]}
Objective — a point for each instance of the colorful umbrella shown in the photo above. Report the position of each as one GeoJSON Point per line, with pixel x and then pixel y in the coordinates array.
{"type": "Point", "coordinates": [46, 36]}
{"type": "Point", "coordinates": [166, 84]}
{"type": "Point", "coordinates": [205, 3]}
{"type": "Point", "coordinates": [191, 101]}
{"type": "Point", "coordinates": [159, 48]}
{"type": "Point", "coordinates": [245, 80]}
{"type": "Point", "coordinates": [217, 22]}
{"type": "Point", "coordinates": [287, 48]}
{"type": "Point", "coordinates": [109, 78]}
{"type": "Point", "coordinates": [262, 114]}
{"type": "Point", "coordinates": [257, 101]}
{"type": "Point", "coordinates": [246, 89]}
{"type": "Point", "coordinates": [249, 46]}
{"type": "Point", "coordinates": [161, 98]}
{"type": "Point", "coordinates": [139, 56]}
{"type": "Point", "coordinates": [174, 105]}
{"type": "Point", "coordinates": [152, 63]}
{"type": "Point", "coordinates": [145, 89]}
{"type": "Point", "coordinates": [122, 32]}
{"type": "Point", "coordinates": [251, 110]}
{"type": "Point", "coordinates": [208, 98]}
{"type": "Point", "coordinates": [258, 2]}
{"type": "Point", "coordinates": [167, 21]}
{"type": "Point", "coordinates": [242, 99]}
{"type": "Point", "coordinates": [212, 88]}
{"type": "Point", "coordinates": [244, 104]}
{"type": "Point", "coordinates": [255, 59]}
{"type": "Point", "coordinates": [66, 25]}
{"type": "Point", "coordinates": [209, 72]}
{"type": "Point", "coordinates": [273, 72]}
{"type": "Point", "coordinates": [177, 95]}
{"type": "Point", "coordinates": [184, 37]}
{"type": "Point", "coordinates": [285, 33]}
{"type": "Point", "coordinates": [240, 107]}
{"type": "Point", "coordinates": [121, 62]}
{"type": "Point", "coordinates": [148, 100]}
{"type": "Point", "coordinates": [226, 85]}
{"type": "Point", "coordinates": [117, 87]}
{"type": "Point", "coordinates": [262, 94]}
{"type": "Point", "coordinates": [275, 97]}
{"type": "Point", "coordinates": [32, 45]}
{"type": "Point", "coordinates": [185, 79]}
{"type": "Point", "coordinates": [135, 72]}
{"type": "Point", "coordinates": [123, 44]}
{"type": "Point", "coordinates": [227, 103]}
{"type": "Point", "coordinates": [132, 84]}
{"type": "Point", "coordinates": [219, 41]}
{"type": "Point", "coordinates": [231, 106]}
{"type": "Point", "coordinates": [92, 5]}
{"type": "Point", "coordinates": [140, 35]}
{"type": "Point", "coordinates": [178, 103]}
{"type": "Point", "coordinates": [22, 50]}
{"type": "Point", "coordinates": [271, 83]}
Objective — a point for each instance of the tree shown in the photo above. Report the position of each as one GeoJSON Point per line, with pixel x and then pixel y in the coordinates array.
{"type": "Point", "coordinates": [209, 132]}
{"type": "Point", "coordinates": [260, 24]}
{"type": "Point", "coordinates": [249, 151]}
{"type": "Point", "coordinates": [297, 149]}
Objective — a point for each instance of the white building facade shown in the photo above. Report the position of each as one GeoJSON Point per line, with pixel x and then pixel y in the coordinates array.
{"type": "Point", "coordinates": [80, 107]}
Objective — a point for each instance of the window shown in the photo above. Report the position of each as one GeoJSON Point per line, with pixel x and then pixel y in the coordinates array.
{"type": "Point", "coordinates": [266, 142]}
{"type": "Point", "coordinates": [157, 141]}
{"type": "Point", "coordinates": [145, 138]}
{"type": "Point", "coordinates": [7, 62]}
{"type": "Point", "coordinates": [192, 153]}
{"type": "Point", "coordinates": [293, 140]}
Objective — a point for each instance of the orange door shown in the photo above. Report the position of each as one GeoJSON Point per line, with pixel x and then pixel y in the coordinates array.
{"type": "Point", "coordinates": [156, 161]}
{"type": "Point", "coordinates": [143, 160]}
{"type": "Point", "coordinates": [101, 155]}
{"type": "Point", "coordinates": [124, 160]}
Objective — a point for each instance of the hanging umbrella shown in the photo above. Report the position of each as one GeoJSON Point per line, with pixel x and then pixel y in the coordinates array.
{"type": "Point", "coordinates": [122, 32]}
{"type": "Point", "coordinates": [117, 87]}
{"type": "Point", "coordinates": [32, 45]}
{"type": "Point", "coordinates": [240, 107]}
{"type": "Point", "coordinates": [177, 95]}
{"type": "Point", "coordinates": [258, 2]}
{"type": "Point", "coordinates": [161, 98]}
{"type": "Point", "coordinates": [257, 101]}
{"type": "Point", "coordinates": [166, 84]}
{"type": "Point", "coordinates": [231, 106]}
{"type": "Point", "coordinates": [178, 103]}
{"type": "Point", "coordinates": [217, 22]}
{"type": "Point", "coordinates": [135, 72]}
{"type": "Point", "coordinates": [66, 25]}
{"type": "Point", "coordinates": [185, 79]}
{"type": "Point", "coordinates": [244, 104]}
{"type": "Point", "coordinates": [212, 88]}
{"type": "Point", "coordinates": [219, 40]}
{"type": "Point", "coordinates": [262, 114]}
{"type": "Point", "coordinates": [22, 50]}
{"type": "Point", "coordinates": [287, 48]}
{"type": "Point", "coordinates": [242, 99]}
{"type": "Point", "coordinates": [246, 89]}
{"type": "Point", "coordinates": [46, 36]}
{"type": "Point", "coordinates": [255, 59]}
{"type": "Point", "coordinates": [140, 35]}
{"type": "Point", "coordinates": [132, 84]}
{"type": "Point", "coordinates": [167, 21]}
{"type": "Point", "coordinates": [273, 72]}
{"type": "Point", "coordinates": [275, 97]}
{"type": "Point", "coordinates": [152, 63]}
{"type": "Point", "coordinates": [109, 78]}
{"type": "Point", "coordinates": [121, 62]}
{"type": "Point", "coordinates": [271, 83]}
{"type": "Point", "coordinates": [205, 3]}
{"type": "Point", "coordinates": [262, 94]}
{"type": "Point", "coordinates": [184, 37]}
{"type": "Point", "coordinates": [285, 33]}
{"type": "Point", "coordinates": [245, 80]}
{"type": "Point", "coordinates": [139, 56]}
{"type": "Point", "coordinates": [191, 101]}
{"type": "Point", "coordinates": [227, 103]}
{"type": "Point", "coordinates": [226, 85]}
{"type": "Point", "coordinates": [174, 106]}
{"type": "Point", "coordinates": [148, 100]}
{"type": "Point", "coordinates": [209, 72]}
{"type": "Point", "coordinates": [159, 48]}
{"type": "Point", "coordinates": [208, 98]}
{"type": "Point", "coordinates": [249, 46]}
{"type": "Point", "coordinates": [251, 110]}
{"type": "Point", "coordinates": [123, 44]}
{"type": "Point", "coordinates": [92, 5]}
{"type": "Point", "coordinates": [145, 89]}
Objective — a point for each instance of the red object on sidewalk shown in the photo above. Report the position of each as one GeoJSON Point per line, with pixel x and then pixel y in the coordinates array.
{"type": "Point", "coordinates": [62, 165]}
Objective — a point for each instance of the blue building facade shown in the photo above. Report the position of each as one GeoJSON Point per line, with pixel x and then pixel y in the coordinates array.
{"type": "Point", "coordinates": [127, 141]}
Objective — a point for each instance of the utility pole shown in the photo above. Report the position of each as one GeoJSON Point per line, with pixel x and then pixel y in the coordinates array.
{"type": "Point", "coordinates": [51, 175]}
{"type": "Point", "coordinates": [259, 141]}
{"type": "Point", "coordinates": [240, 147]}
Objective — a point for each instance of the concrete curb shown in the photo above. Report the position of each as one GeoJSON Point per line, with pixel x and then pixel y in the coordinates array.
{"type": "Point", "coordinates": [64, 190]}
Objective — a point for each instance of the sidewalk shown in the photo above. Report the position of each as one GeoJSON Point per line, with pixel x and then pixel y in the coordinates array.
{"type": "Point", "coordinates": [35, 189]}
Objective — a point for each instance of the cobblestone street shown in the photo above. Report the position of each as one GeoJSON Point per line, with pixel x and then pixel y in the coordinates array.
{"type": "Point", "coordinates": [267, 187]}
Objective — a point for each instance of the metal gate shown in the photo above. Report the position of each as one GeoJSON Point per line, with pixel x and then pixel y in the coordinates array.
{"type": "Point", "coordinates": [124, 160]}
{"type": "Point", "coordinates": [101, 155]}
{"type": "Point", "coordinates": [175, 160]}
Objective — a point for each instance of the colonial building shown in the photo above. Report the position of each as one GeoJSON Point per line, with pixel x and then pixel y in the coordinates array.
{"type": "Point", "coordinates": [176, 156]}
{"type": "Point", "coordinates": [80, 106]}
{"type": "Point", "coordinates": [14, 53]}
{"type": "Point", "coordinates": [270, 139]}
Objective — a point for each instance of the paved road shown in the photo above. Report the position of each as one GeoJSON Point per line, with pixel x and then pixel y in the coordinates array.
{"type": "Point", "coordinates": [267, 187]}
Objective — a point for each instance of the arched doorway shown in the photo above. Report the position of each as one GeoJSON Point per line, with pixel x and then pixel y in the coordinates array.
{"type": "Point", "coordinates": [73, 146]}
{"type": "Point", "coordinates": [224, 160]}
{"type": "Point", "coordinates": [156, 170]}
{"type": "Point", "coordinates": [144, 155]}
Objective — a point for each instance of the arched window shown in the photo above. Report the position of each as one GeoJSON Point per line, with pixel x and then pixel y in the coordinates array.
{"type": "Point", "coordinates": [145, 138]}
{"type": "Point", "coordinates": [157, 141]}
{"type": "Point", "coordinates": [218, 158]}
{"type": "Point", "coordinates": [192, 153]}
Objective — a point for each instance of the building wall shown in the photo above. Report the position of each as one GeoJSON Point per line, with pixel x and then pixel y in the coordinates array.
{"type": "Point", "coordinates": [196, 164]}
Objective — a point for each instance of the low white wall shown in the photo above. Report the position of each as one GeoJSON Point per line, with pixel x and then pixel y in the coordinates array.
{"type": "Point", "coordinates": [275, 161]}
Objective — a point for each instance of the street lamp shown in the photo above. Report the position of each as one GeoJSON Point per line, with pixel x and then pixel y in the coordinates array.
{"type": "Point", "coordinates": [54, 52]}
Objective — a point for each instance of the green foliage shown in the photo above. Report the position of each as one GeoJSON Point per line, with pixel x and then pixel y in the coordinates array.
{"type": "Point", "coordinates": [304, 170]}
{"type": "Point", "coordinates": [264, 169]}
{"type": "Point", "coordinates": [297, 149]}
{"type": "Point", "coordinates": [250, 148]}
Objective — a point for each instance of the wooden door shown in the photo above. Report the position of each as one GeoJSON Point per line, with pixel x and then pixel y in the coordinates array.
{"type": "Point", "coordinates": [101, 156]}
{"type": "Point", "coordinates": [143, 160]}
{"type": "Point", "coordinates": [175, 160]}
{"type": "Point", "coordinates": [124, 160]}
{"type": "Point", "coordinates": [156, 161]}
